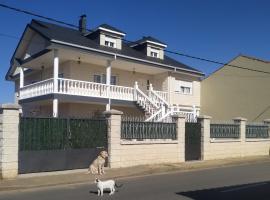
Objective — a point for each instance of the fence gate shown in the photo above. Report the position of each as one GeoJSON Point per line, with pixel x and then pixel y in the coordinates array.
{"type": "Point", "coordinates": [50, 144]}
{"type": "Point", "coordinates": [192, 141]}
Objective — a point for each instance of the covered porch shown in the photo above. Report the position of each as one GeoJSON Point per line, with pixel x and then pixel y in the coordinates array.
{"type": "Point", "coordinates": [63, 71]}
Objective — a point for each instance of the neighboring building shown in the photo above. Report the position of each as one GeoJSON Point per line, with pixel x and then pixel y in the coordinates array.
{"type": "Point", "coordinates": [60, 71]}
{"type": "Point", "coordinates": [236, 92]}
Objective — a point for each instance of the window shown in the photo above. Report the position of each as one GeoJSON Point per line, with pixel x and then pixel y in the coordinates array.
{"type": "Point", "coordinates": [61, 75]}
{"type": "Point", "coordinates": [154, 53]}
{"type": "Point", "coordinates": [102, 79]}
{"type": "Point", "coordinates": [184, 87]}
{"type": "Point", "coordinates": [113, 80]}
{"type": "Point", "coordinates": [110, 42]}
{"type": "Point", "coordinates": [97, 78]}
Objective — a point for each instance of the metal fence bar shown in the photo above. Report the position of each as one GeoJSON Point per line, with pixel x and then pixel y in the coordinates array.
{"type": "Point", "coordinates": [147, 130]}
{"type": "Point", "coordinates": [257, 131]}
{"type": "Point", "coordinates": [224, 131]}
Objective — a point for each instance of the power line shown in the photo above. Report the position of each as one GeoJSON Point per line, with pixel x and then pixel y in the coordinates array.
{"type": "Point", "coordinates": [36, 15]}
{"type": "Point", "coordinates": [168, 51]}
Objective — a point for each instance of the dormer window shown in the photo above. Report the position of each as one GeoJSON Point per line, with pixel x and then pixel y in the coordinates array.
{"type": "Point", "coordinates": [154, 53]}
{"type": "Point", "coordinates": [110, 42]}
{"type": "Point", "coordinates": [151, 46]}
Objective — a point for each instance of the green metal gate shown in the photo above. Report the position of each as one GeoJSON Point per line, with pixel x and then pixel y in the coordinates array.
{"type": "Point", "coordinates": [49, 144]}
{"type": "Point", "coordinates": [192, 141]}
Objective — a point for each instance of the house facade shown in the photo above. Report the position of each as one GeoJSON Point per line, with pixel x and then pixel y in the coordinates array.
{"type": "Point", "coordinates": [237, 91]}
{"type": "Point", "coordinates": [64, 72]}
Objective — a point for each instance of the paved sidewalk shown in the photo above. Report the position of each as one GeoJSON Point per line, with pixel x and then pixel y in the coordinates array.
{"type": "Point", "coordinates": [29, 181]}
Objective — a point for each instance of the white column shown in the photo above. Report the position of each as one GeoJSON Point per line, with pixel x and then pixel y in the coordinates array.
{"type": "Point", "coordinates": [55, 107]}
{"type": "Point", "coordinates": [21, 77]}
{"type": "Point", "coordinates": [55, 81]}
{"type": "Point", "coordinates": [55, 70]}
{"type": "Point", "coordinates": [108, 83]}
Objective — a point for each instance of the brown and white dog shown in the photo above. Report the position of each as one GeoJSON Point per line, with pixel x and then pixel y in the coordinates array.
{"type": "Point", "coordinates": [97, 166]}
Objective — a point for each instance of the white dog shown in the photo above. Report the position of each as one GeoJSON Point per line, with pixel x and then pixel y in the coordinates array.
{"type": "Point", "coordinates": [110, 184]}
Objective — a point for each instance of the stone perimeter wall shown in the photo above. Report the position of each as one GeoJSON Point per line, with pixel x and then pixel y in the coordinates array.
{"type": "Point", "coordinates": [123, 153]}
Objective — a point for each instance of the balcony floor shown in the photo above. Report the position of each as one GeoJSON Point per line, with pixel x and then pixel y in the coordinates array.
{"type": "Point", "coordinates": [76, 98]}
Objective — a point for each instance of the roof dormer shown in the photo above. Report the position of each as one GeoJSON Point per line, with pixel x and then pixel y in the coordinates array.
{"type": "Point", "coordinates": [150, 46]}
{"type": "Point", "coordinates": [108, 36]}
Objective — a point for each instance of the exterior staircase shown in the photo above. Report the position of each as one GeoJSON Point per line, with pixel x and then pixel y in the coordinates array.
{"type": "Point", "coordinates": [157, 109]}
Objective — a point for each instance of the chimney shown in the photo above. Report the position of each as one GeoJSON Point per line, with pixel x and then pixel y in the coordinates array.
{"type": "Point", "coordinates": [82, 24]}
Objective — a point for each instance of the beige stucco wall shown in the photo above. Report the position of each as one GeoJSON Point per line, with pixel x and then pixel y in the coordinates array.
{"type": "Point", "coordinates": [232, 92]}
{"type": "Point", "coordinates": [75, 109]}
{"type": "Point", "coordinates": [233, 149]}
{"type": "Point", "coordinates": [142, 154]}
{"type": "Point", "coordinates": [85, 72]}
{"type": "Point", "coordinates": [184, 99]}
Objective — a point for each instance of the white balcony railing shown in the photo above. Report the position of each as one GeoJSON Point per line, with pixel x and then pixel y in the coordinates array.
{"type": "Point", "coordinates": [37, 89]}
{"type": "Point", "coordinates": [155, 104]}
{"type": "Point", "coordinates": [80, 88]}
{"type": "Point", "coordinates": [91, 89]}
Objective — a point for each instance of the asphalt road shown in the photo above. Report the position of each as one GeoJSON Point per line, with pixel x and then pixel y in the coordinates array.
{"type": "Point", "coordinates": [246, 182]}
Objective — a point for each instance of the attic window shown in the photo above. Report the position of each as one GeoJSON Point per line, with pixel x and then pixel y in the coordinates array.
{"type": "Point", "coordinates": [110, 42]}
{"type": "Point", "coordinates": [154, 53]}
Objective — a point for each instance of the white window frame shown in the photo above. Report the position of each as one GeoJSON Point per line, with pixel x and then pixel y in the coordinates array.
{"type": "Point", "coordinates": [182, 87]}
{"type": "Point", "coordinates": [154, 51]}
{"type": "Point", "coordinates": [110, 41]}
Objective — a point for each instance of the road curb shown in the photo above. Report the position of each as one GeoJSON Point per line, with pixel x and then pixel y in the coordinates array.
{"type": "Point", "coordinates": [149, 171]}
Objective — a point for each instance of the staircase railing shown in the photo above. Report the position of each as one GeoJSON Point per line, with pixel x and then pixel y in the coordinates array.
{"type": "Point", "coordinates": [144, 101]}
{"type": "Point", "coordinates": [156, 97]}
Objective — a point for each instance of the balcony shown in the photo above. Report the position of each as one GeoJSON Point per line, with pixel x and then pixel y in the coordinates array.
{"type": "Point", "coordinates": [81, 88]}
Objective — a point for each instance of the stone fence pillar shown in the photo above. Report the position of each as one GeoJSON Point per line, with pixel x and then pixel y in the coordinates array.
{"type": "Point", "coordinates": [114, 136]}
{"type": "Point", "coordinates": [205, 135]}
{"type": "Point", "coordinates": [242, 123]}
{"type": "Point", "coordinates": [180, 131]}
{"type": "Point", "coordinates": [9, 140]}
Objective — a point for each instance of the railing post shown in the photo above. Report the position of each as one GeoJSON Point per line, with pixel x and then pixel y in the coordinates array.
{"type": "Point", "coordinates": [114, 136]}
{"type": "Point", "coordinates": [180, 121]}
{"type": "Point", "coordinates": [194, 110]}
{"type": "Point", "coordinates": [242, 125]}
{"type": "Point", "coordinates": [150, 87]}
{"type": "Point", "coordinates": [9, 145]}
{"type": "Point", "coordinates": [135, 91]}
{"type": "Point", "coordinates": [205, 135]}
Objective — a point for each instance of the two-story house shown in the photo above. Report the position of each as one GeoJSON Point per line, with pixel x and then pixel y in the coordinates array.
{"type": "Point", "coordinates": [61, 71]}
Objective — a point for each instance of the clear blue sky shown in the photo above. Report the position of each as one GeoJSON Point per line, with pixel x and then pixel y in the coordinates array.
{"type": "Point", "coordinates": [218, 30]}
